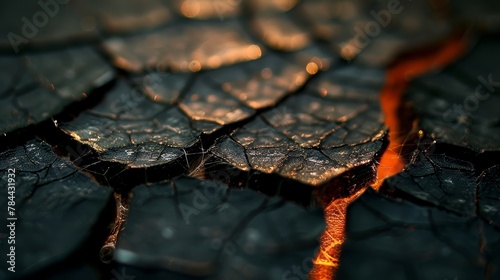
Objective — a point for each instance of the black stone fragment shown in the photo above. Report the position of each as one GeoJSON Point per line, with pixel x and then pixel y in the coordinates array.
{"type": "Point", "coordinates": [444, 223]}
{"type": "Point", "coordinates": [55, 204]}
{"type": "Point", "coordinates": [203, 228]}
{"type": "Point", "coordinates": [459, 105]}
{"type": "Point", "coordinates": [328, 128]}
{"type": "Point", "coordinates": [36, 87]}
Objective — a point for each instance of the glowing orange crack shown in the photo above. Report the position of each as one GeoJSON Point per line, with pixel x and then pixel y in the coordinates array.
{"type": "Point", "coordinates": [398, 76]}
{"type": "Point", "coordinates": [391, 98]}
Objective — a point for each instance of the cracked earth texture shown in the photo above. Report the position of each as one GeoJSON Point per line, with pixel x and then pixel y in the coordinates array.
{"type": "Point", "coordinates": [232, 139]}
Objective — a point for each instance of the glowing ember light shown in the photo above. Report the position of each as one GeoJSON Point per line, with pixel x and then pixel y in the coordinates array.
{"type": "Point", "coordinates": [254, 52]}
{"type": "Point", "coordinates": [194, 66]}
{"type": "Point", "coordinates": [214, 62]}
{"type": "Point", "coordinates": [391, 100]}
{"type": "Point", "coordinates": [327, 261]}
{"type": "Point", "coordinates": [284, 5]}
{"type": "Point", "coordinates": [190, 9]}
{"type": "Point", "coordinates": [312, 68]}
{"type": "Point", "coordinates": [398, 75]}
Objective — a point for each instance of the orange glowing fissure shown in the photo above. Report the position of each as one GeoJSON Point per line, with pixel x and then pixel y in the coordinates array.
{"type": "Point", "coordinates": [391, 98]}
{"type": "Point", "coordinates": [398, 75]}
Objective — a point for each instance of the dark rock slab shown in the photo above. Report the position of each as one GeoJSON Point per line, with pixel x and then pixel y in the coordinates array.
{"type": "Point", "coordinates": [444, 224]}
{"type": "Point", "coordinates": [459, 104]}
{"type": "Point", "coordinates": [325, 130]}
{"type": "Point", "coordinates": [38, 86]}
{"type": "Point", "coordinates": [230, 233]}
{"type": "Point", "coordinates": [56, 206]}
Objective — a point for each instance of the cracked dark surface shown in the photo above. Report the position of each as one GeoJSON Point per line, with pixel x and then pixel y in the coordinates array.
{"type": "Point", "coordinates": [213, 139]}
{"type": "Point", "coordinates": [458, 105]}
{"type": "Point", "coordinates": [56, 206]}
{"type": "Point", "coordinates": [163, 114]}
{"type": "Point", "coordinates": [126, 119]}
{"type": "Point", "coordinates": [28, 80]}
{"type": "Point", "coordinates": [448, 227]}
{"type": "Point", "coordinates": [186, 47]}
{"type": "Point", "coordinates": [232, 234]}
{"type": "Point", "coordinates": [341, 23]}
{"type": "Point", "coordinates": [314, 135]}
{"type": "Point", "coordinates": [403, 240]}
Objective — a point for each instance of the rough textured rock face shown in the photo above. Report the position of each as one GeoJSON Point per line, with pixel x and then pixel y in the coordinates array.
{"type": "Point", "coordinates": [221, 139]}
{"type": "Point", "coordinates": [54, 209]}
{"type": "Point", "coordinates": [458, 105]}
{"type": "Point", "coordinates": [226, 231]}
{"type": "Point", "coordinates": [313, 136]}
{"type": "Point", "coordinates": [443, 226]}
{"type": "Point", "coordinates": [38, 86]}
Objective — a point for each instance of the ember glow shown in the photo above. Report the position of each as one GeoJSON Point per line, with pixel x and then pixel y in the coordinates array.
{"type": "Point", "coordinates": [327, 260]}
{"type": "Point", "coordinates": [397, 78]}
